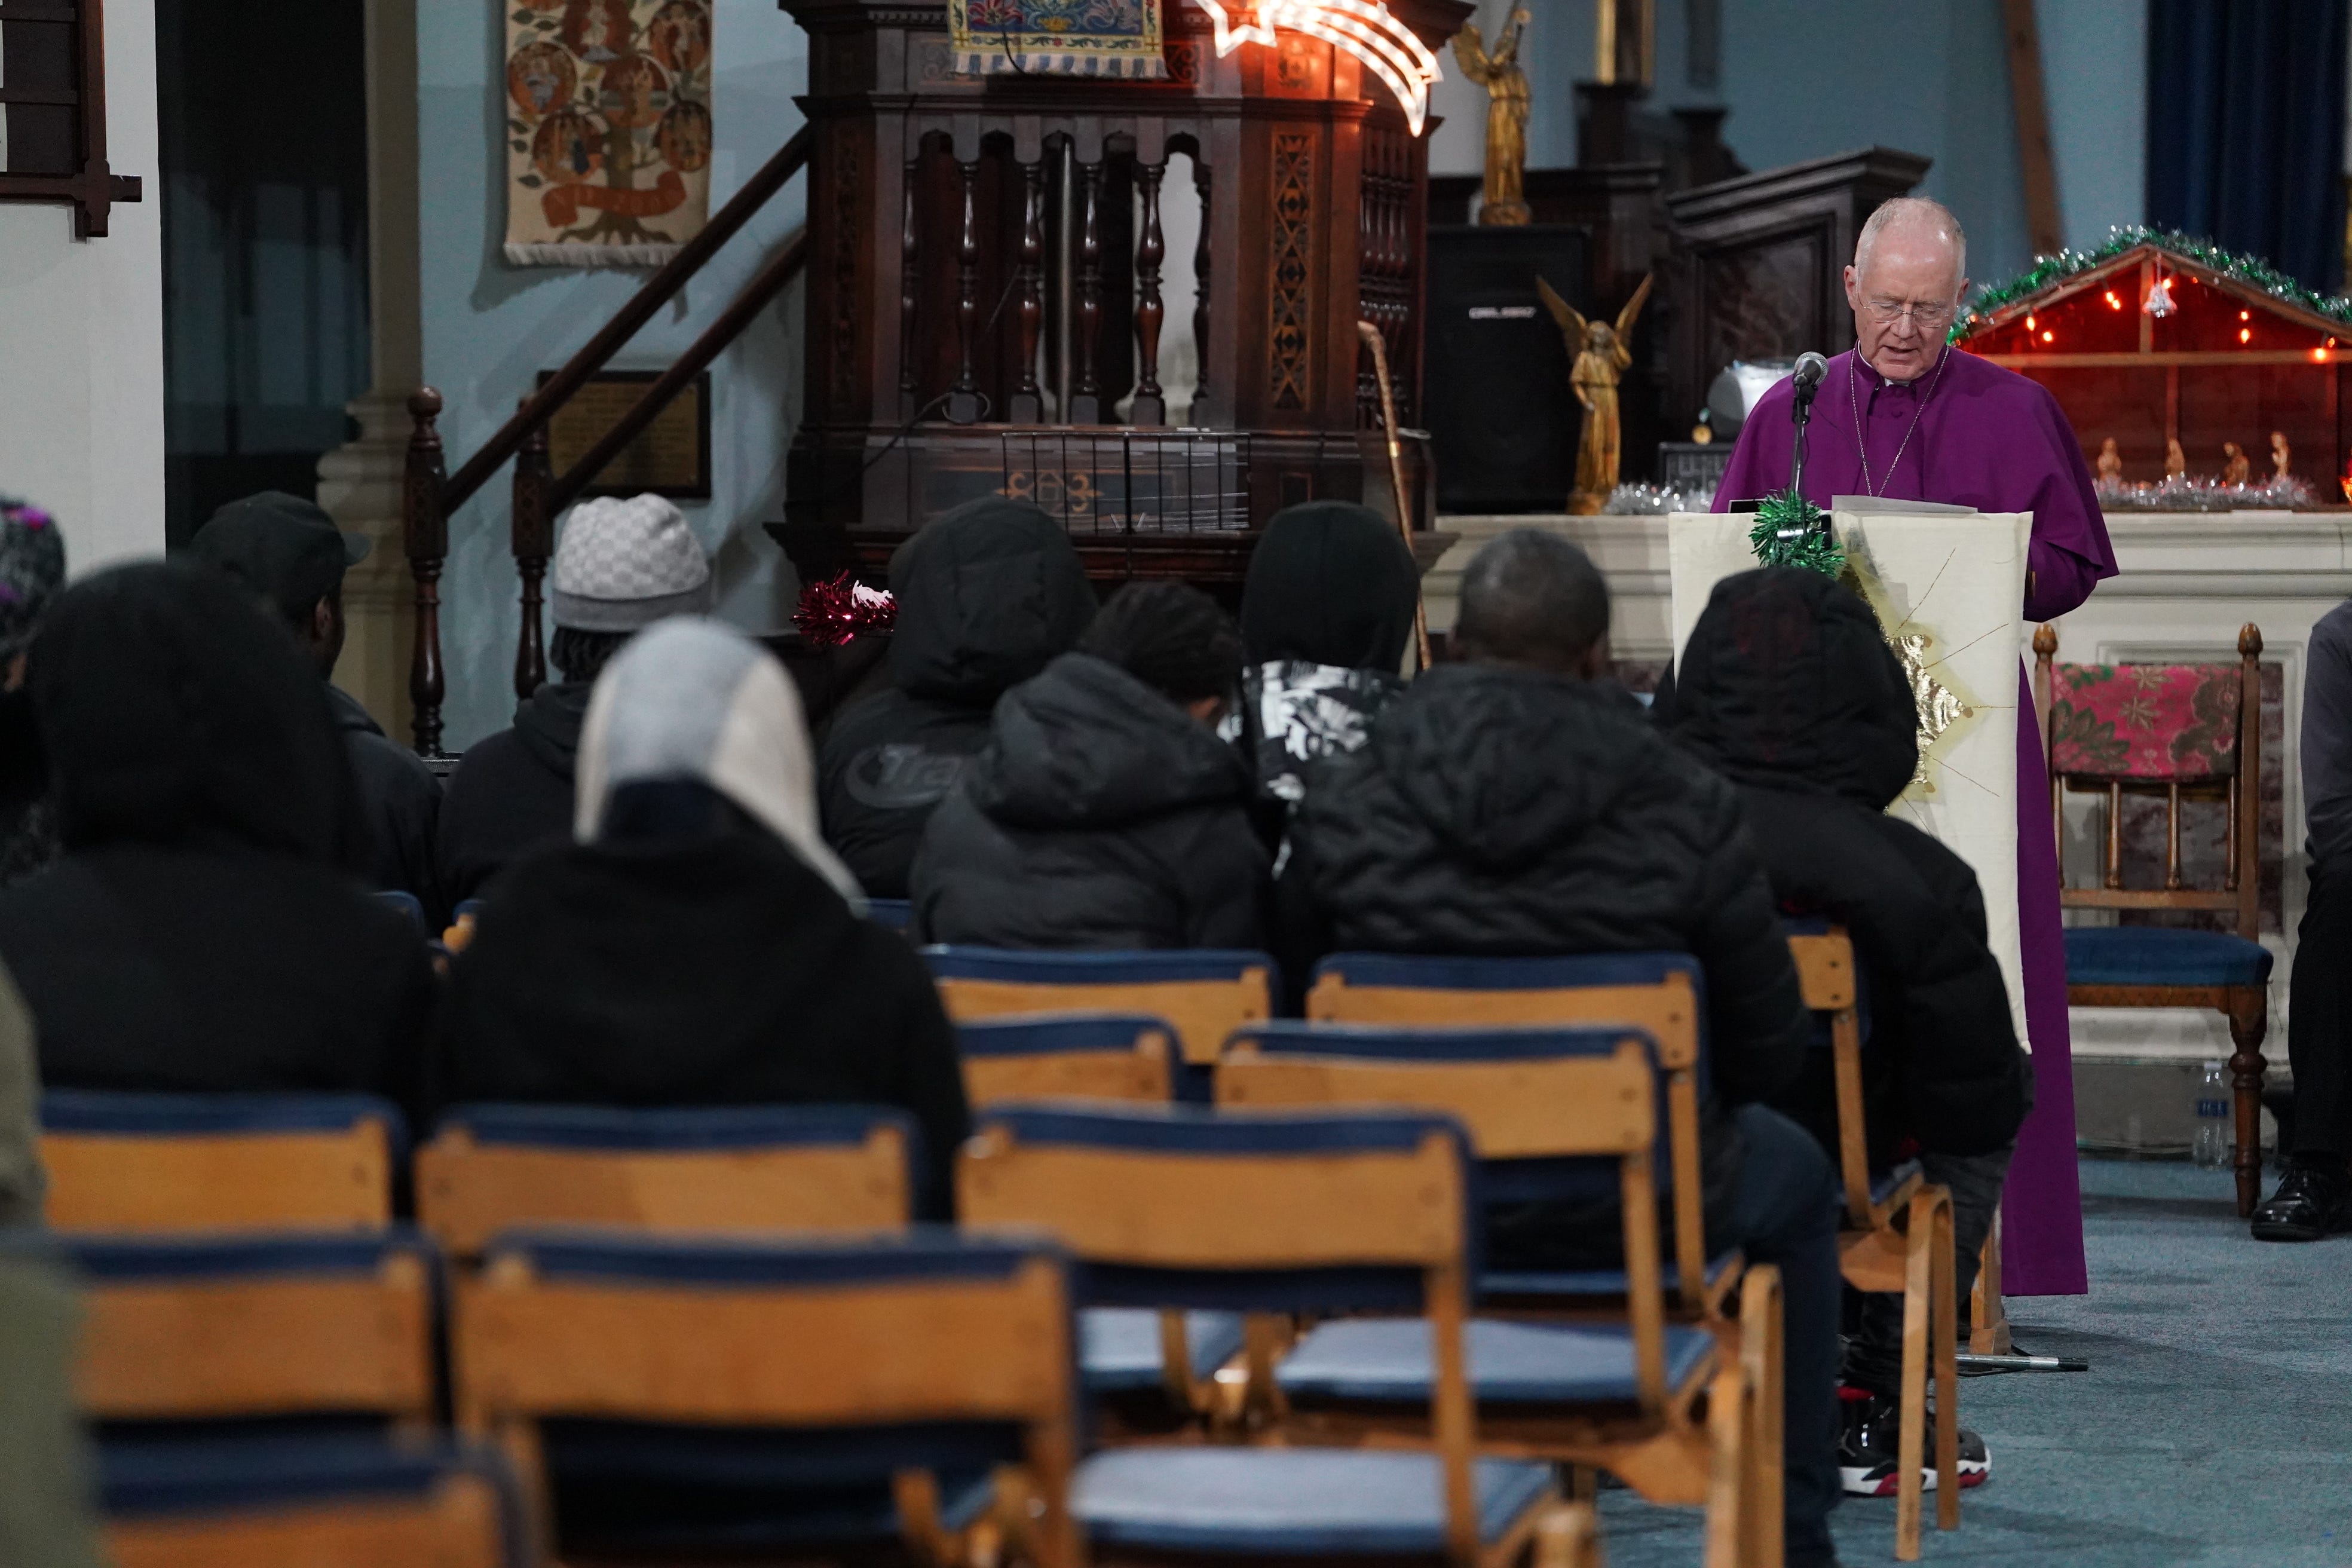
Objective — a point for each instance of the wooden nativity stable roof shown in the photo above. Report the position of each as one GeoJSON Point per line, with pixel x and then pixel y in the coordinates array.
{"type": "Point", "coordinates": [2101, 273]}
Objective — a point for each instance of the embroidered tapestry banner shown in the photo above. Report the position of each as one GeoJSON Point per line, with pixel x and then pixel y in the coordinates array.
{"type": "Point", "coordinates": [608, 130]}
{"type": "Point", "coordinates": [1056, 38]}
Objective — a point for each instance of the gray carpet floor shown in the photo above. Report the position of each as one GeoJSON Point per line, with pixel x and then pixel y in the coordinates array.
{"type": "Point", "coordinates": [2214, 1426]}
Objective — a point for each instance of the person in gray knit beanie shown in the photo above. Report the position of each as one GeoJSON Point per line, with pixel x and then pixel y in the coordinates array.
{"type": "Point", "coordinates": [32, 570]}
{"type": "Point", "coordinates": [620, 564]}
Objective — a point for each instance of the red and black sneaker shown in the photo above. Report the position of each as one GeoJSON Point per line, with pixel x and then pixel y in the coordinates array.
{"type": "Point", "coordinates": [1868, 1450]}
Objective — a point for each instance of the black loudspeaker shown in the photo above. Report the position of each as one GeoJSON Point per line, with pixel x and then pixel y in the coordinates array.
{"type": "Point", "coordinates": [1500, 412]}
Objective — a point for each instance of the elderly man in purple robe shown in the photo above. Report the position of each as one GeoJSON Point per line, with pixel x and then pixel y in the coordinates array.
{"type": "Point", "coordinates": [1904, 415]}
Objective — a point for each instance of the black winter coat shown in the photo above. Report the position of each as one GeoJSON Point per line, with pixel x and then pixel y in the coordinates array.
{"type": "Point", "coordinates": [1787, 686]}
{"type": "Point", "coordinates": [986, 594]}
{"type": "Point", "coordinates": [512, 792]}
{"type": "Point", "coordinates": [400, 799]}
{"type": "Point", "coordinates": [1505, 812]}
{"type": "Point", "coordinates": [1100, 815]}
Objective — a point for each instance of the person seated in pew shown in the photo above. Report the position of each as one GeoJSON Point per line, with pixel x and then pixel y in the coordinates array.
{"type": "Point", "coordinates": [620, 566]}
{"type": "Point", "coordinates": [1519, 803]}
{"type": "Point", "coordinates": [1105, 812]}
{"type": "Point", "coordinates": [1326, 612]}
{"type": "Point", "coordinates": [986, 594]}
{"type": "Point", "coordinates": [1788, 688]}
{"type": "Point", "coordinates": [205, 927]}
{"type": "Point", "coordinates": [698, 945]}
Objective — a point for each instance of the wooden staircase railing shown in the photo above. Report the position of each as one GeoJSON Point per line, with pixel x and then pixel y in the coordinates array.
{"type": "Point", "coordinates": [429, 493]}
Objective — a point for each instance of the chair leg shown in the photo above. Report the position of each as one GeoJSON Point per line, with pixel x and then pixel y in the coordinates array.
{"type": "Point", "coordinates": [1911, 1446]}
{"type": "Point", "coordinates": [2249, 1022]}
{"type": "Point", "coordinates": [1766, 1504]}
{"type": "Point", "coordinates": [1943, 1297]}
{"type": "Point", "coordinates": [1988, 1321]}
{"type": "Point", "coordinates": [1730, 1417]}
{"type": "Point", "coordinates": [1568, 1536]}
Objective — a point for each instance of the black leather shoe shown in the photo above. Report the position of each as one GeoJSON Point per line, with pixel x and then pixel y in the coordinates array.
{"type": "Point", "coordinates": [2312, 1201]}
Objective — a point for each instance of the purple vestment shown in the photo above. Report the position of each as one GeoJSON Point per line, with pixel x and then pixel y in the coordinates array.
{"type": "Point", "coordinates": [1988, 438]}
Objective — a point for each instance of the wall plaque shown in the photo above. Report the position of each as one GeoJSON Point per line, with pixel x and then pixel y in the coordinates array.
{"type": "Point", "coordinates": [671, 456]}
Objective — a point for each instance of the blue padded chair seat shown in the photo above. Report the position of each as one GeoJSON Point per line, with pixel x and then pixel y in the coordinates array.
{"type": "Point", "coordinates": [896, 913]}
{"type": "Point", "coordinates": [672, 1127]}
{"type": "Point", "coordinates": [2156, 955]}
{"type": "Point", "coordinates": [1882, 1186]}
{"type": "Point", "coordinates": [139, 1258]}
{"type": "Point", "coordinates": [145, 1477]}
{"type": "Point", "coordinates": [1095, 968]}
{"type": "Point", "coordinates": [1289, 1503]}
{"type": "Point", "coordinates": [1510, 1362]}
{"type": "Point", "coordinates": [1118, 1347]}
{"type": "Point", "coordinates": [1591, 1281]}
{"type": "Point", "coordinates": [138, 1114]}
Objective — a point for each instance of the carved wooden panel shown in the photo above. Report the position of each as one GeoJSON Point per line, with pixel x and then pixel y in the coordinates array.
{"type": "Point", "coordinates": [848, 197]}
{"type": "Point", "coordinates": [1763, 300]}
{"type": "Point", "coordinates": [1293, 186]}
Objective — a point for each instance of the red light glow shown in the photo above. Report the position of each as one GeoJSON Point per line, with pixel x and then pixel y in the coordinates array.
{"type": "Point", "coordinates": [2319, 357]}
{"type": "Point", "coordinates": [2245, 334]}
{"type": "Point", "coordinates": [2114, 303]}
{"type": "Point", "coordinates": [2049, 337]}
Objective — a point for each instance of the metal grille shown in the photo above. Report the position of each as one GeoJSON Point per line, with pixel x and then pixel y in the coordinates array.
{"type": "Point", "coordinates": [1121, 482]}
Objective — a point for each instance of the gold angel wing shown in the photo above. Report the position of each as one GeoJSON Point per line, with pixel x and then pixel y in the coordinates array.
{"type": "Point", "coordinates": [1470, 52]}
{"type": "Point", "coordinates": [1571, 319]}
{"type": "Point", "coordinates": [1634, 306]}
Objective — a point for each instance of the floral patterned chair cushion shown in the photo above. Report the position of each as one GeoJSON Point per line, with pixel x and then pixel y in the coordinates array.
{"type": "Point", "coordinates": [2157, 722]}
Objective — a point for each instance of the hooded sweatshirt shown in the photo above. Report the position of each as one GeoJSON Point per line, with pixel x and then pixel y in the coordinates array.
{"type": "Point", "coordinates": [1100, 815]}
{"type": "Point", "coordinates": [401, 801]}
{"type": "Point", "coordinates": [512, 792]}
{"type": "Point", "coordinates": [204, 928]}
{"type": "Point", "coordinates": [721, 958]}
{"type": "Point", "coordinates": [986, 594]}
{"type": "Point", "coordinates": [1326, 614]}
{"type": "Point", "coordinates": [1507, 812]}
{"type": "Point", "coordinates": [1786, 688]}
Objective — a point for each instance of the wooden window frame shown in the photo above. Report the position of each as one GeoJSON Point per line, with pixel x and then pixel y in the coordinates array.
{"type": "Point", "coordinates": [94, 188]}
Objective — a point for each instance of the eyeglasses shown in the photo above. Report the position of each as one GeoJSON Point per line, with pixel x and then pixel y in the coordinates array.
{"type": "Point", "coordinates": [1926, 318]}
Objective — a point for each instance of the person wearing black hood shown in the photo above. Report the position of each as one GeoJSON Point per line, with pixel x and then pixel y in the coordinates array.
{"type": "Point", "coordinates": [204, 928]}
{"type": "Point", "coordinates": [1325, 613]}
{"type": "Point", "coordinates": [1520, 803]}
{"type": "Point", "coordinates": [288, 553]}
{"type": "Point", "coordinates": [699, 945]}
{"type": "Point", "coordinates": [986, 594]}
{"type": "Point", "coordinates": [620, 566]}
{"type": "Point", "coordinates": [1787, 688]}
{"type": "Point", "coordinates": [1104, 812]}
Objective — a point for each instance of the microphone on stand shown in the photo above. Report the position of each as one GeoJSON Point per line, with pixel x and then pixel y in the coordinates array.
{"type": "Point", "coordinates": [1811, 368]}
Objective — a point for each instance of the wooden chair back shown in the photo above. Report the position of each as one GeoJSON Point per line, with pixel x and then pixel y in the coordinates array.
{"type": "Point", "coordinates": [1203, 993]}
{"type": "Point", "coordinates": [817, 1167]}
{"type": "Point", "coordinates": [907, 1329]}
{"type": "Point", "coordinates": [1217, 1201]}
{"type": "Point", "coordinates": [1522, 1094]}
{"type": "Point", "coordinates": [1825, 973]}
{"type": "Point", "coordinates": [177, 1162]}
{"type": "Point", "coordinates": [2089, 755]}
{"type": "Point", "coordinates": [195, 1327]}
{"type": "Point", "coordinates": [1086, 1056]}
{"type": "Point", "coordinates": [1653, 992]}
{"type": "Point", "coordinates": [393, 1509]}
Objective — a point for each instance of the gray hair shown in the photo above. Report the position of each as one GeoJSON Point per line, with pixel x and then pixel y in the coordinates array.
{"type": "Point", "coordinates": [1532, 597]}
{"type": "Point", "coordinates": [1918, 209]}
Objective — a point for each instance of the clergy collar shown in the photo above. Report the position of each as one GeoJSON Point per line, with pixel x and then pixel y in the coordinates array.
{"type": "Point", "coordinates": [1886, 384]}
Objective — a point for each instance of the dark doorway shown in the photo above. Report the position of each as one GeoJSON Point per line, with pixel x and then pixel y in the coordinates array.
{"type": "Point", "coordinates": [264, 123]}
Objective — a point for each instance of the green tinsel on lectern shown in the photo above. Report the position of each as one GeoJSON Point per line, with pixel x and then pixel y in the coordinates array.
{"type": "Point", "coordinates": [1811, 546]}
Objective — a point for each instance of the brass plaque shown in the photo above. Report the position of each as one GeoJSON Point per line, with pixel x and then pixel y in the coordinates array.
{"type": "Point", "coordinates": [671, 456]}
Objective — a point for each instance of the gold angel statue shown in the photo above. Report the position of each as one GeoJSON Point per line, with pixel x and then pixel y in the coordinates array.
{"type": "Point", "coordinates": [1499, 71]}
{"type": "Point", "coordinates": [1602, 356]}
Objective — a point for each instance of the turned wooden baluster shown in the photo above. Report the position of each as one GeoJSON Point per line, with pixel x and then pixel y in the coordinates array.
{"type": "Point", "coordinates": [908, 274]}
{"type": "Point", "coordinates": [1201, 290]}
{"type": "Point", "coordinates": [533, 540]}
{"type": "Point", "coordinates": [425, 534]}
{"type": "Point", "coordinates": [1028, 405]}
{"type": "Point", "coordinates": [1149, 406]}
{"type": "Point", "coordinates": [963, 401]}
{"type": "Point", "coordinates": [1086, 396]}
{"type": "Point", "coordinates": [2248, 1005]}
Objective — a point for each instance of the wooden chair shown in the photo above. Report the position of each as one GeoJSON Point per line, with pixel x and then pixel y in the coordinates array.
{"type": "Point", "coordinates": [1897, 1237]}
{"type": "Point", "coordinates": [2182, 733]}
{"type": "Point", "coordinates": [219, 1328]}
{"type": "Point", "coordinates": [1562, 1115]}
{"type": "Point", "coordinates": [1655, 991]}
{"type": "Point", "coordinates": [320, 1505]}
{"type": "Point", "coordinates": [1274, 1215]}
{"type": "Point", "coordinates": [845, 1362]}
{"type": "Point", "coordinates": [678, 1172]}
{"type": "Point", "coordinates": [1203, 993]}
{"type": "Point", "coordinates": [1056, 1055]}
{"type": "Point", "coordinates": [160, 1162]}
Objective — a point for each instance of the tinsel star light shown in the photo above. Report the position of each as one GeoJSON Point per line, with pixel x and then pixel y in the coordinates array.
{"type": "Point", "coordinates": [1388, 49]}
{"type": "Point", "coordinates": [836, 610]}
{"type": "Point", "coordinates": [1792, 531]}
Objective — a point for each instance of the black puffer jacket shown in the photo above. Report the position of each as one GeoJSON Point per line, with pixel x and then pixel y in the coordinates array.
{"type": "Point", "coordinates": [986, 595]}
{"type": "Point", "coordinates": [513, 792]}
{"type": "Point", "coordinates": [1505, 812]}
{"type": "Point", "coordinates": [1786, 688]}
{"type": "Point", "coordinates": [1100, 815]}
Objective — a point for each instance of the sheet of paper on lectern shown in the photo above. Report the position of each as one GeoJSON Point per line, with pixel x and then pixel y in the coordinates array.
{"type": "Point", "coordinates": [1947, 584]}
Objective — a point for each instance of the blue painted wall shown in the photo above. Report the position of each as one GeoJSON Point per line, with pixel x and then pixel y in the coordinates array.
{"type": "Point", "coordinates": [489, 329]}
